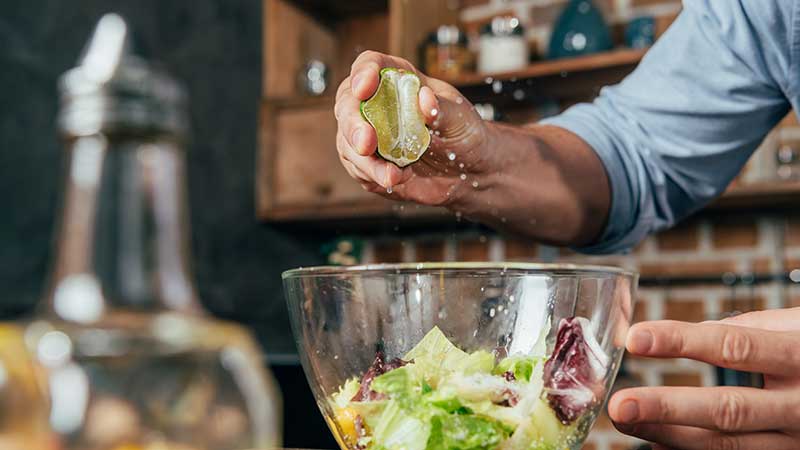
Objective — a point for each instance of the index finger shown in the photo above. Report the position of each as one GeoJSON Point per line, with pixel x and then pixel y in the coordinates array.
{"type": "Point", "coordinates": [365, 71]}
{"type": "Point", "coordinates": [729, 346]}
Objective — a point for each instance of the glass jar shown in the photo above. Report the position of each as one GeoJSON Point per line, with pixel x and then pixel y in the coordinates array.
{"type": "Point", "coordinates": [446, 53]}
{"type": "Point", "coordinates": [130, 358]}
{"type": "Point", "coordinates": [503, 47]}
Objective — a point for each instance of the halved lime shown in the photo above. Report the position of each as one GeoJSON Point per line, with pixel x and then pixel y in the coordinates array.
{"type": "Point", "coordinates": [394, 113]}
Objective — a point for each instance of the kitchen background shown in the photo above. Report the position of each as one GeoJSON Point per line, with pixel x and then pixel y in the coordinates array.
{"type": "Point", "coordinates": [257, 209]}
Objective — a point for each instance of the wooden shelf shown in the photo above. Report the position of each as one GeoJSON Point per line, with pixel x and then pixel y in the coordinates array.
{"type": "Point", "coordinates": [766, 195]}
{"type": "Point", "coordinates": [575, 79]}
{"type": "Point", "coordinates": [601, 61]}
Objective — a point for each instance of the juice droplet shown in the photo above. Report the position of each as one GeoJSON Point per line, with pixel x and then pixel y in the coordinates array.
{"type": "Point", "coordinates": [475, 184]}
{"type": "Point", "coordinates": [451, 156]}
{"type": "Point", "coordinates": [460, 165]}
{"type": "Point", "coordinates": [434, 112]}
{"type": "Point", "coordinates": [459, 100]}
{"type": "Point", "coordinates": [488, 80]}
{"type": "Point", "coordinates": [463, 176]}
{"type": "Point", "coordinates": [497, 87]}
{"type": "Point", "coordinates": [389, 190]}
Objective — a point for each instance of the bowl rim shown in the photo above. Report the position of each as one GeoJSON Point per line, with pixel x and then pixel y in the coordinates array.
{"type": "Point", "coordinates": [301, 272]}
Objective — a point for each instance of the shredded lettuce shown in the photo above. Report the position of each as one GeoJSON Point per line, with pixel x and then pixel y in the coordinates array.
{"type": "Point", "coordinates": [434, 355]}
{"type": "Point", "coordinates": [397, 429]}
{"type": "Point", "coordinates": [477, 362]}
{"type": "Point", "coordinates": [521, 366]}
{"type": "Point", "coordinates": [342, 398]}
{"type": "Point", "coordinates": [465, 432]}
{"type": "Point", "coordinates": [444, 398]}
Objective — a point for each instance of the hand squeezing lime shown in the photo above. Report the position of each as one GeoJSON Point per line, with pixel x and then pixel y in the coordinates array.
{"type": "Point", "coordinates": [394, 113]}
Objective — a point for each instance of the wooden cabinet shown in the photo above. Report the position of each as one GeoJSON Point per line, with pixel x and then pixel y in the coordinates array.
{"type": "Point", "coordinates": [299, 176]}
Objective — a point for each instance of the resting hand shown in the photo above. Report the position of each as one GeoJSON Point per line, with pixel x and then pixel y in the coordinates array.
{"type": "Point", "coordinates": [743, 418]}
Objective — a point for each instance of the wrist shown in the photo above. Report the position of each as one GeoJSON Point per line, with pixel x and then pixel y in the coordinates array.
{"type": "Point", "coordinates": [480, 179]}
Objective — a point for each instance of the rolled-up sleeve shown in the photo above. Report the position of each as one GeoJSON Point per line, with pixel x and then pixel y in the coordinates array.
{"type": "Point", "coordinates": [675, 132]}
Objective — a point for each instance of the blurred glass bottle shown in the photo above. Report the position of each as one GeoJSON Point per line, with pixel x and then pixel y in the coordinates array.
{"type": "Point", "coordinates": [131, 359]}
{"type": "Point", "coordinates": [23, 406]}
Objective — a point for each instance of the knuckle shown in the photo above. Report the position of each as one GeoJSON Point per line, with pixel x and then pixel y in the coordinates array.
{"type": "Point", "coordinates": [341, 148]}
{"type": "Point", "coordinates": [666, 411]}
{"type": "Point", "coordinates": [737, 347]}
{"type": "Point", "coordinates": [337, 108]}
{"type": "Point", "coordinates": [670, 341]}
{"type": "Point", "coordinates": [730, 412]}
{"type": "Point", "coordinates": [723, 442]}
{"type": "Point", "coordinates": [343, 86]}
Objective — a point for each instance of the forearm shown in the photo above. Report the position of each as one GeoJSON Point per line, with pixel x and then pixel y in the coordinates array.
{"type": "Point", "coordinates": [542, 182]}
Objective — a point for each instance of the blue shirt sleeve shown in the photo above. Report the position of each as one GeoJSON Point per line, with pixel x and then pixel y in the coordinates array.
{"type": "Point", "coordinates": [676, 131]}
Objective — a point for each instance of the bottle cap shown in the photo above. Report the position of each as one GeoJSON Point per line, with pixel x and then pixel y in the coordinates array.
{"type": "Point", "coordinates": [113, 90]}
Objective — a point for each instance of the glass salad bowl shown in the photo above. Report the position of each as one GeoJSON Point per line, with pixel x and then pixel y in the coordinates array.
{"type": "Point", "coordinates": [460, 355]}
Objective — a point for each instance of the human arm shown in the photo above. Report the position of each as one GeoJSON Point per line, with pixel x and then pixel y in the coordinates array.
{"type": "Point", "coordinates": [539, 181]}
{"type": "Point", "coordinates": [669, 138]}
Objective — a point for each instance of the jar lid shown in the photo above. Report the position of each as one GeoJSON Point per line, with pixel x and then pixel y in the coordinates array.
{"type": "Point", "coordinates": [448, 35]}
{"type": "Point", "coordinates": [112, 89]}
{"type": "Point", "coordinates": [503, 26]}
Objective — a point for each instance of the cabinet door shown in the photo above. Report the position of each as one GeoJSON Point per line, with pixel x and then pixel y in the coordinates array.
{"type": "Point", "coordinates": [301, 176]}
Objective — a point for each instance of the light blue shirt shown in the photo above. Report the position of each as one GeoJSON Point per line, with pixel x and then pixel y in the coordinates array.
{"type": "Point", "coordinates": [675, 132]}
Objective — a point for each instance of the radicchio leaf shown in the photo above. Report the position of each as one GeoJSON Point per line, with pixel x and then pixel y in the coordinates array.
{"type": "Point", "coordinates": [574, 373]}
{"type": "Point", "coordinates": [378, 367]}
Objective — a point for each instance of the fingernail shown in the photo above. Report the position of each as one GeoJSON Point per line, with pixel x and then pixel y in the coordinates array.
{"type": "Point", "coordinates": [640, 341]}
{"type": "Point", "coordinates": [628, 411]}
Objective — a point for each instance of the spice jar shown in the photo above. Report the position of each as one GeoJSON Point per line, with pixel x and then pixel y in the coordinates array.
{"type": "Point", "coordinates": [503, 47]}
{"type": "Point", "coordinates": [446, 54]}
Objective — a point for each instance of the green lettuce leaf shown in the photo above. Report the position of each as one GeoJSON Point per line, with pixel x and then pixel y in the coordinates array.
{"type": "Point", "coordinates": [447, 404]}
{"type": "Point", "coordinates": [521, 366]}
{"type": "Point", "coordinates": [480, 361]}
{"type": "Point", "coordinates": [397, 429]}
{"type": "Point", "coordinates": [346, 392]}
{"type": "Point", "coordinates": [465, 432]}
{"type": "Point", "coordinates": [434, 355]}
{"type": "Point", "coordinates": [399, 384]}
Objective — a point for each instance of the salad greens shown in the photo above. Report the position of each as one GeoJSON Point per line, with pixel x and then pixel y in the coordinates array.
{"type": "Point", "coordinates": [439, 397]}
